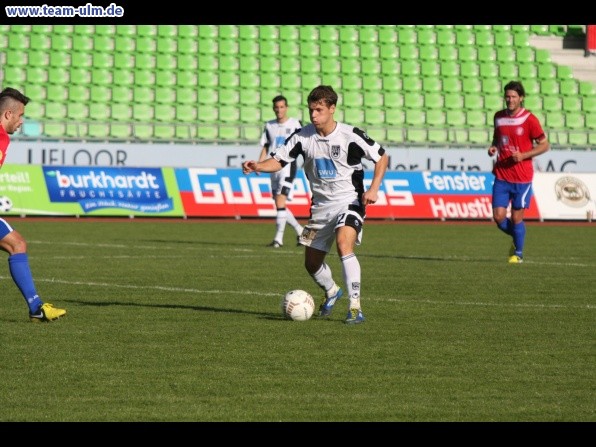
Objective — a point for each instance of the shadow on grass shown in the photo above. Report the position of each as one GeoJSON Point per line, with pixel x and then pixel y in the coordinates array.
{"type": "Point", "coordinates": [264, 315]}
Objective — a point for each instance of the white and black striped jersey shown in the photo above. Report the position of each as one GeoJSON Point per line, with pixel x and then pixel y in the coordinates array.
{"type": "Point", "coordinates": [332, 164]}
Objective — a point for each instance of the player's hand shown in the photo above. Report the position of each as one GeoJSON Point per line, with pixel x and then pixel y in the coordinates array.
{"type": "Point", "coordinates": [369, 197]}
{"type": "Point", "coordinates": [492, 150]}
{"type": "Point", "coordinates": [249, 166]}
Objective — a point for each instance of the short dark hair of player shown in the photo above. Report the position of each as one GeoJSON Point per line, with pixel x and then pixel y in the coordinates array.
{"type": "Point", "coordinates": [323, 93]}
{"type": "Point", "coordinates": [10, 94]}
{"type": "Point", "coordinates": [516, 86]}
{"type": "Point", "coordinates": [280, 98]}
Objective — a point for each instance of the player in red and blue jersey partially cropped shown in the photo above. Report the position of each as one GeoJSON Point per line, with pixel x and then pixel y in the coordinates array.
{"type": "Point", "coordinates": [12, 109]}
{"type": "Point", "coordinates": [518, 138]}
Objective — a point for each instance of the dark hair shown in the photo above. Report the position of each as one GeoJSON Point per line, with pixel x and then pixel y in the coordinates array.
{"type": "Point", "coordinates": [10, 94]}
{"type": "Point", "coordinates": [516, 86]}
{"type": "Point", "coordinates": [280, 98]}
{"type": "Point", "coordinates": [323, 93]}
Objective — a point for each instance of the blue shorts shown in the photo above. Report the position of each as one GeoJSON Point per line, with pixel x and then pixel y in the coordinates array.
{"type": "Point", "coordinates": [519, 194]}
{"type": "Point", "coordinates": [5, 228]}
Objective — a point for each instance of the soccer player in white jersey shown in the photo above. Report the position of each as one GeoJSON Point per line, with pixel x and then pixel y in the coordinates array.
{"type": "Point", "coordinates": [518, 138]}
{"type": "Point", "coordinates": [274, 135]}
{"type": "Point", "coordinates": [333, 154]}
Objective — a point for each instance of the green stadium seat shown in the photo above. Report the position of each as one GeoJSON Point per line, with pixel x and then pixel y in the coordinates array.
{"type": "Point", "coordinates": [40, 42]}
{"type": "Point", "coordinates": [475, 118]}
{"type": "Point", "coordinates": [395, 117]}
{"type": "Point", "coordinates": [35, 29]}
{"type": "Point", "coordinates": [207, 113]}
{"type": "Point", "coordinates": [55, 110]}
{"type": "Point", "coordinates": [387, 51]}
{"type": "Point", "coordinates": [469, 70]}
{"type": "Point", "coordinates": [508, 71]}
{"type": "Point", "coordinates": [547, 70]}
{"type": "Point", "coordinates": [450, 69]}
{"type": "Point", "coordinates": [350, 66]}
{"type": "Point", "coordinates": [368, 34]}
{"type": "Point", "coordinates": [541, 30]}
{"type": "Point", "coordinates": [407, 52]}
{"type": "Point", "coordinates": [412, 83]}
{"type": "Point", "coordinates": [289, 32]}
{"type": "Point", "coordinates": [308, 33]}
{"type": "Point", "coordinates": [452, 85]}
{"type": "Point", "coordinates": [430, 69]}
{"type": "Point", "coordinates": [354, 116]}
{"type": "Point", "coordinates": [121, 30]}
{"type": "Point", "coordinates": [487, 54]}
{"type": "Point", "coordinates": [351, 82]}
{"type": "Point", "coordinates": [590, 118]}
{"type": "Point", "coordinates": [533, 103]}
{"type": "Point", "coordinates": [123, 94]}
{"type": "Point", "coordinates": [507, 55]}
{"type": "Point", "coordinates": [527, 70]}
{"type": "Point", "coordinates": [433, 100]}
{"type": "Point", "coordinates": [309, 49]}
{"type": "Point", "coordinates": [393, 100]}
{"type": "Point", "coordinates": [569, 87]}
{"type": "Point", "coordinates": [207, 132]}
{"type": "Point", "coordinates": [555, 120]}
{"type": "Point", "coordinates": [431, 84]}
{"type": "Point", "coordinates": [311, 80]}
{"type": "Point", "coordinates": [128, 78]}
{"type": "Point", "coordinates": [143, 112]}
{"type": "Point", "coordinates": [426, 36]}
{"type": "Point", "coordinates": [268, 48]}
{"type": "Point", "coordinates": [99, 94]}
{"type": "Point", "coordinates": [489, 70]}
{"type": "Point", "coordinates": [251, 114]}
{"type": "Point", "coordinates": [372, 83]}
{"type": "Point", "coordinates": [100, 30]}
{"type": "Point", "coordinates": [572, 104]}
{"type": "Point", "coordinates": [587, 88]}
{"type": "Point", "coordinates": [473, 101]}
{"type": "Point", "coordinates": [435, 118]}
{"type": "Point", "coordinates": [369, 51]}
{"type": "Point", "coordinates": [121, 60]}
{"type": "Point", "coordinates": [387, 34]}
{"type": "Point", "coordinates": [390, 67]}
{"type": "Point", "coordinates": [58, 75]}
{"type": "Point", "coordinates": [352, 99]}
{"type": "Point", "coordinates": [166, 45]}
{"type": "Point", "coordinates": [164, 131]}
{"type": "Point", "coordinates": [54, 129]}
{"type": "Point", "coordinates": [521, 40]}
{"type": "Point", "coordinates": [36, 92]}
{"type": "Point", "coordinates": [56, 93]}
{"type": "Point", "coordinates": [589, 104]}
{"type": "Point", "coordinates": [373, 116]}
{"type": "Point", "coordinates": [448, 53]}
{"type": "Point", "coordinates": [531, 86]}
{"type": "Point", "coordinates": [473, 85]}
{"type": "Point", "coordinates": [407, 35]}
{"type": "Point", "coordinates": [464, 38]}
{"type": "Point", "coordinates": [467, 54]}
{"type": "Point", "coordinates": [207, 46]}
{"type": "Point", "coordinates": [17, 75]}
{"type": "Point", "coordinates": [491, 86]}
{"type": "Point", "coordinates": [120, 112]}
{"type": "Point", "coordinates": [503, 39]}
{"type": "Point", "coordinates": [564, 72]}
{"type": "Point", "coordinates": [549, 87]}
{"type": "Point", "coordinates": [229, 80]}
{"type": "Point", "coordinates": [446, 38]}
{"type": "Point", "coordinates": [413, 100]}
{"type": "Point", "coordinates": [453, 101]}
{"type": "Point", "coordinates": [410, 68]}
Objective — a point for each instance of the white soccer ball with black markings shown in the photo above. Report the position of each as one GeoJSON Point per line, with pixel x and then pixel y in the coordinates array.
{"type": "Point", "coordinates": [5, 204]}
{"type": "Point", "coordinates": [298, 305]}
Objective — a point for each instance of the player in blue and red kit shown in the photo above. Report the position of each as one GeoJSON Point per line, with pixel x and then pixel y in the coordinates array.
{"type": "Point", "coordinates": [12, 109]}
{"type": "Point", "coordinates": [518, 138]}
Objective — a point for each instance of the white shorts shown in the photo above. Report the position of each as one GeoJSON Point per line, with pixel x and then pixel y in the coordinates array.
{"type": "Point", "coordinates": [319, 232]}
{"type": "Point", "coordinates": [282, 182]}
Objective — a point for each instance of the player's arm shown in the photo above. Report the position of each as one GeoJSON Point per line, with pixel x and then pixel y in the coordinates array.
{"type": "Point", "coordinates": [267, 165]}
{"type": "Point", "coordinates": [371, 195]}
{"type": "Point", "coordinates": [539, 148]}
{"type": "Point", "coordinates": [264, 152]}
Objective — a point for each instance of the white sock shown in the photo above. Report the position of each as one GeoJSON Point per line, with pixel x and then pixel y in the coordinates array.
{"type": "Point", "coordinates": [352, 275]}
{"type": "Point", "coordinates": [280, 223]}
{"type": "Point", "coordinates": [291, 220]}
{"type": "Point", "coordinates": [324, 280]}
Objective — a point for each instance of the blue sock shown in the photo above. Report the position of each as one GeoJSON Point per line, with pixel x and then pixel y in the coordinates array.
{"type": "Point", "coordinates": [21, 275]}
{"type": "Point", "coordinates": [505, 227]}
{"type": "Point", "coordinates": [519, 237]}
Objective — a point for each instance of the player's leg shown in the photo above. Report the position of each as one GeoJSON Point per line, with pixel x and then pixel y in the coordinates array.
{"type": "Point", "coordinates": [349, 234]}
{"type": "Point", "coordinates": [280, 219]}
{"type": "Point", "coordinates": [521, 202]}
{"type": "Point", "coordinates": [318, 237]}
{"type": "Point", "coordinates": [500, 202]}
{"type": "Point", "coordinates": [18, 263]}
{"type": "Point", "coordinates": [287, 192]}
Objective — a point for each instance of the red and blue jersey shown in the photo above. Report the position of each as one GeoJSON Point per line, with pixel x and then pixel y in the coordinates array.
{"type": "Point", "coordinates": [515, 133]}
{"type": "Point", "coordinates": [4, 141]}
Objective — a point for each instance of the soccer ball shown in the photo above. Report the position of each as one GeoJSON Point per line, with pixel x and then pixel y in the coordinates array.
{"type": "Point", "coordinates": [297, 305]}
{"type": "Point", "coordinates": [5, 204]}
